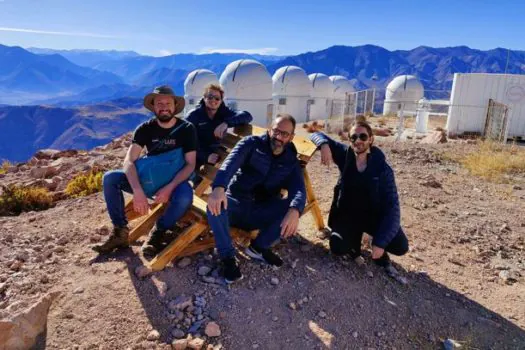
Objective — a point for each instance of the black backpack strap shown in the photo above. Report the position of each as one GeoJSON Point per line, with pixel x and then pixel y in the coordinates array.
{"type": "Point", "coordinates": [165, 138]}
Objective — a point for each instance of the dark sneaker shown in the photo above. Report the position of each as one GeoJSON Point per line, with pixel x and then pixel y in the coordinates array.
{"type": "Point", "coordinates": [265, 255]}
{"type": "Point", "coordinates": [117, 239]}
{"type": "Point", "coordinates": [154, 244]}
{"type": "Point", "coordinates": [232, 272]}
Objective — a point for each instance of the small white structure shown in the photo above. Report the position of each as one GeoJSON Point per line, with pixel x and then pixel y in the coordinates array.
{"type": "Point", "coordinates": [194, 86]}
{"type": "Point", "coordinates": [343, 96]}
{"type": "Point", "coordinates": [422, 114]}
{"type": "Point", "coordinates": [248, 86]}
{"type": "Point", "coordinates": [403, 93]}
{"type": "Point", "coordinates": [470, 98]}
{"type": "Point", "coordinates": [322, 95]}
{"type": "Point", "coordinates": [291, 92]}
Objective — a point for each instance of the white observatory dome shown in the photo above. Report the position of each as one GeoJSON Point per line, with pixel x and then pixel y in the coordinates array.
{"type": "Point", "coordinates": [246, 80]}
{"type": "Point", "coordinates": [343, 86]}
{"type": "Point", "coordinates": [322, 86]}
{"type": "Point", "coordinates": [291, 81]}
{"type": "Point", "coordinates": [197, 80]}
{"type": "Point", "coordinates": [404, 88]}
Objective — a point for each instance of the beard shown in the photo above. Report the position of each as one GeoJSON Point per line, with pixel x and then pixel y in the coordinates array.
{"type": "Point", "coordinates": [276, 145]}
{"type": "Point", "coordinates": [164, 117]}
{"type": "Point", "coordinates": [360, 150]}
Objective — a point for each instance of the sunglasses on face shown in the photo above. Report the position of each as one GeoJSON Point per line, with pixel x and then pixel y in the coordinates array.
{"type": "Point", "coordinates": [277, 132]}
{"type": "Point", "coordinates": [213, 97]}
{"type": "Point", "coordinates": [362, 137]}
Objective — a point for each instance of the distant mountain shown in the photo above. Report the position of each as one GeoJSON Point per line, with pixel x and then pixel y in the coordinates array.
{"type": "Point", "coordinates": [86, 58]}
{"type": "Point", "coordinates": [375, 66]}
{"type": "Point", "coordinates": [131, 69]}
{"type": "Point", "coordinates": [26, 129]}
{"type": "Point", "coordinates": [22, 72]}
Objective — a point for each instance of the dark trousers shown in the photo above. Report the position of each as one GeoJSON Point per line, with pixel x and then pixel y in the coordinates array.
{"type": "Point", "coordinates": [346, 239]}
{"type": "Point", "coordinates": [248, 215]}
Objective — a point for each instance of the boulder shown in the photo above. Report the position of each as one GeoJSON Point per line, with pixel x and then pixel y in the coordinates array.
{"type": "Point", "coordinates": [21, 330]}
{"type": "Point", "coordinates": [435, 137]}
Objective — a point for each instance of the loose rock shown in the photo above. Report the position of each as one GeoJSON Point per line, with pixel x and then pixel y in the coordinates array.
{"type": "Point", "coordinates": [212, 330]}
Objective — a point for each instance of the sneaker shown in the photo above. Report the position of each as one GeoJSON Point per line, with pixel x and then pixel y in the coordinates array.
{"type": "Point", "coordinates": [232, 272]}
{"type": "Point", "coordinates": [265, 255]}
{"type": "Point", "coordinates": [154, 243]}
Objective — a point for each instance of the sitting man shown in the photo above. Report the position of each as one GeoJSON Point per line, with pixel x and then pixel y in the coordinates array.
{"type": "Point", "coordinates": [247, 194]}
{"type": "Point", "coordinates": [163, 133]}
{"type": "Point", "coordinates": [365, 198]}
{"type": "Point", "coordinates": [212, 118]}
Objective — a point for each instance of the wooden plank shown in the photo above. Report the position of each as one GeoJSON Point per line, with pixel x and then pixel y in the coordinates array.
{"type": "Point", "coordinates": [145, 226]}
{"type": "Point", "coordinates": [199, 206]}
{"type": "Point", "coordinates": [178, 245]}
{"type": "Point", "coordinates": [310, 197]}
{"type": "Point", "coordinates": [197, 247]}
{"type": "Point", "coordinates": [208, 172]}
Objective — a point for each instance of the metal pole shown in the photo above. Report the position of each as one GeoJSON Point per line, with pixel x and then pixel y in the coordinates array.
{"type": "Point", "coordinates": [401, 125]}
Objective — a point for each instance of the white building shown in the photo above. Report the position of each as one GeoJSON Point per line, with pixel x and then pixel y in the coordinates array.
{"type": "Point", "coordinates": [403, 92]}
{"type": "Point", "coordinates": [470, 97]}
{"type": "Point", "coordinates": [320, 106]}
{"type": "Point", "coordinates": [291, 92]}
{"type": "Point", "coordinates": [194, 86]}
{"type": "Point", "coordinates": [344, 97]}
{"type": "Point", "coordinates": [248, 86]}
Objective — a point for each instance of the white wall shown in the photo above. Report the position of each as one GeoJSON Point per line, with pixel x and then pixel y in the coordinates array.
{"type": "Point", "coordinates": [320, 109]}
{"type": "Point", "coordinates": [295, 106]}
{"type": "Point", "coordinates": [470, 97]}
{"type": "Point", "coordinates": [261, 110]}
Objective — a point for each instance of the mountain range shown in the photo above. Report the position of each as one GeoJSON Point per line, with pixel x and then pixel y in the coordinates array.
{"type": "Point", "coordinates": [69, 81]}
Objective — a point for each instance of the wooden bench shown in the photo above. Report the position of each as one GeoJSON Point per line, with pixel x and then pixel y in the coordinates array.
{"type": "Point", "coordinates": [195, 237]}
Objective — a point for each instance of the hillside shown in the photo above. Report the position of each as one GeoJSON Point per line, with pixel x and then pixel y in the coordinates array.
{"type": "Point", "coordinates": [26, 129]}
{"type": "Point", "coordinates": [464, 271]}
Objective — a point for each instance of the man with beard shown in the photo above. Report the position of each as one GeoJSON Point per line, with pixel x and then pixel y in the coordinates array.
{"type": "Point", "coordinates": [247, 194]}
{"type": "Point", "coordinates": [165, 132]}
{"type": "Point", "coordinates": [365, 198]}
{"type": "Point", "coordinates": [211, 119]}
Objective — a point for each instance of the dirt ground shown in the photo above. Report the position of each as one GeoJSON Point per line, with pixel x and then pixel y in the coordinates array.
{"type": "Point", "coordinates": [465, 273]}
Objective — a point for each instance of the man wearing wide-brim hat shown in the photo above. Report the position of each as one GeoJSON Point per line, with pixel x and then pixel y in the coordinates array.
{"type": "Point", "coordinates": [163, 133]}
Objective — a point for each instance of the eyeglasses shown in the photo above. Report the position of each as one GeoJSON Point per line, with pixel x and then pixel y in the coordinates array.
{"type": "Point", "coordinates": [213, 97]}
{"type": "Point", "coordinates": [362, 137]}
{"type": "Point", "coordinates": [278, 132]}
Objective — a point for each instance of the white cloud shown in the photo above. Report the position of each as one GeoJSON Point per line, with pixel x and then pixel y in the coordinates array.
{"type": "Point", "coordinates": [165, 53]}
{"type": "Point", "coordinates": [260, 51]}
{"type": "Point", "coordinates": [48, 32]}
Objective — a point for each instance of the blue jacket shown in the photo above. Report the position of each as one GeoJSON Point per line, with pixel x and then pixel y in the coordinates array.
{"type": "Point", "coordinates": [252, 172]}
{"type": "Point", "coordinates": [205, 126]}
{"type": "Point", "coordinates": [383, 194]}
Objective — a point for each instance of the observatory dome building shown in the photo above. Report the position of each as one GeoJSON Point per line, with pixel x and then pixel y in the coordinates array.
{"type": "Point", "coordinates": [291, 92]}
{"type": "Point", "coordinates": [403, 91]}
{"type": "Point", "coordinates": [321, 96]}
{"type": "Point", "coordinates": [248, 86]}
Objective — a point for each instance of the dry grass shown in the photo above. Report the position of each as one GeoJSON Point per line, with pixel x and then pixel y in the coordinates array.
{"type": "Point", "coordinates": [84, 184]}
{"type": "Point", "coordinates": [5, 165]}
{"type": "Point", "coordinates": [17, 199]}
{"type": "Point", "coordinates": [495, 162]}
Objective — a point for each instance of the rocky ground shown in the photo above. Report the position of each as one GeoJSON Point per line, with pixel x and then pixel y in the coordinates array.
{"type": "Point", "coordinates": [465, 272]}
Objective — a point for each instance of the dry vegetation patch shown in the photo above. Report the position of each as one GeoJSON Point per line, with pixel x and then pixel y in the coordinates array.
{"type": "Point", "coordinates": [17, 199]}
{"type": "Point", "coordinates": [85, 184]}
{"type": "Point", "coordinates": [493, 161]}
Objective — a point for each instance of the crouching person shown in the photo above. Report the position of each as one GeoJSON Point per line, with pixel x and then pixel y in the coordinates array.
{"type": "Point", "coordinates": [247, 194]}
{"type": "Point", "coordinates": [365, 198]}
{"type": "Point", "coordinates": [162, 134]}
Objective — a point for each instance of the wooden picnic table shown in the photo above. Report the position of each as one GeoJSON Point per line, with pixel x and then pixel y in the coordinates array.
{"type": "Point", "coordinates": [195, 237]}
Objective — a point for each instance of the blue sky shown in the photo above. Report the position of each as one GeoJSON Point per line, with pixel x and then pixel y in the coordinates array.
{"type": "Point", "coordinates": [160, 27]}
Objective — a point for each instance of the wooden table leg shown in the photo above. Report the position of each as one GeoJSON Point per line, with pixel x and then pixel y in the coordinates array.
{"type": "Point", "coordinates": [313, 204]}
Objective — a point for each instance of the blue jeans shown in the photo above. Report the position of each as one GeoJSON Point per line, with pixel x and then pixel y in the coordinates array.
{"type": "Point", "coordinates": [114, 182]}
{"type": "Point", "coordinates": [248, 215]}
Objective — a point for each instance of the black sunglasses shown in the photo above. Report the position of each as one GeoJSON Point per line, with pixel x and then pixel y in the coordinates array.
{"type": "Point", "coordinates": [213, 97]}
{"type": "Point", "coordinates": [362, 137]}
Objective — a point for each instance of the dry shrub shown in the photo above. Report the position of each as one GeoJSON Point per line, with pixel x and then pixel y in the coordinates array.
{"type": "Point", "coordinates": [495, 161]}
{"type": "Point", "coordinates": [5, 165]}
{"type": "Point", "coordinates": [84, 184]}
{"type": "Point", "coordinates": [17, 199]}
